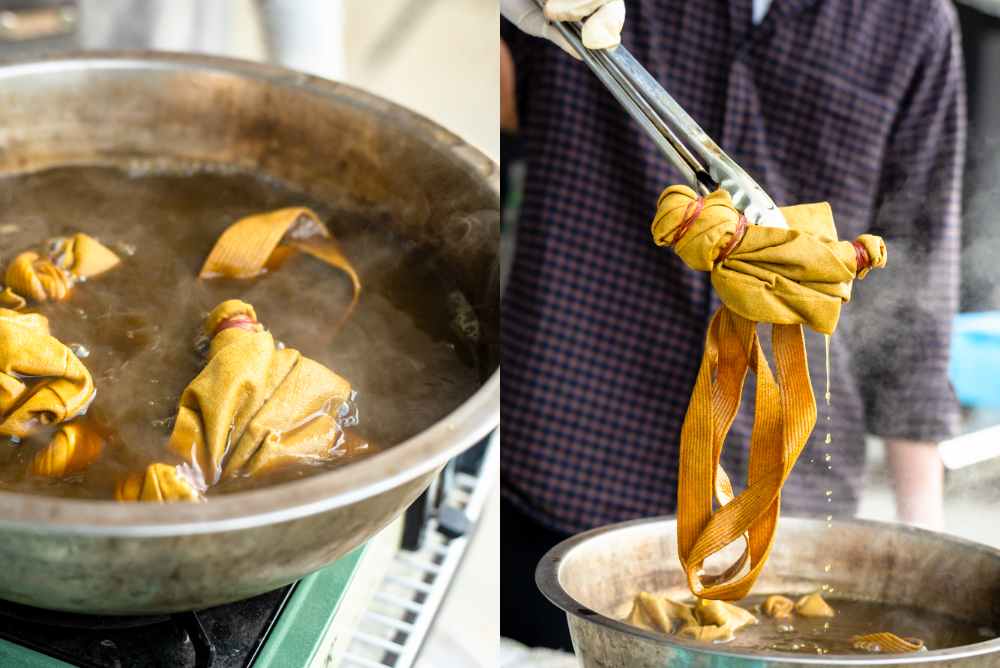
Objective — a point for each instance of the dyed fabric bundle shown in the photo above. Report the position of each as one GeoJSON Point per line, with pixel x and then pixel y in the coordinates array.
{"type": "Point", "coordinates": [252, 408]}
{"type": "Point", "coordinates": [791, 277]}
{"type": "Point", "coordinates": [50, 276]}
{"type": "Point", "coordinates": [705, 621]}
{"type": "Point", "coordinates": [887, 643]}
{"type": "Point", "coordinates": [801, 275]}
{"type": "Point", "coordinates": [41, 380]}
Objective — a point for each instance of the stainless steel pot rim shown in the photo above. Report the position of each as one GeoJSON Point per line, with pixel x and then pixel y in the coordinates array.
{"type": "Point", "coordinates": [461, 150]}
{"type": "Point", "coordinates": [547, 579]}
{"type": "Point", "coordinates": [430, 449]}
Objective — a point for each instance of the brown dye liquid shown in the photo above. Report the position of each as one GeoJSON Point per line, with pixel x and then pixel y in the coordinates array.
{"type": "Point", "coordinates": [140, 322]}
{"type": "Point", "coordinates": [855, 618]}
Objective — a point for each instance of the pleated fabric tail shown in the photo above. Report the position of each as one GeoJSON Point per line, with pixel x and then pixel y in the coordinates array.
{"type": "Point", "coordinates": [785, 415]}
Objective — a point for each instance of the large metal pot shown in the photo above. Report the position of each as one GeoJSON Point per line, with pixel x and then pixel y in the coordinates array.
{"type": "Point", "coordinates": [594, 577]}
{"type": "Point", "coordinates": [329, 141]}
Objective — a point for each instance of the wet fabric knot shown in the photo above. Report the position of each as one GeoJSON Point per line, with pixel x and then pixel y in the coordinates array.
{"type": "Point", "coordinates": [50, 277]}
{"type": "Point", "coordinates": [41, 380]}
{"type": "Point", "coordinates": [35, 277]}
{"type": "Point", "coordinates": [887, 643]}
{"type": "Point", "coordinates": [691, 214]}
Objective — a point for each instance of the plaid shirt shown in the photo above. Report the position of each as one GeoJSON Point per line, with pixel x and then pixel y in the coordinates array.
{"type": "Point", "coordinates": [860, 104]}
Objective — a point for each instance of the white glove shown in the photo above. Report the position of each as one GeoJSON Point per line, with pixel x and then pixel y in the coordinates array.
{"type": "Point", "coordinates": [602, 30]}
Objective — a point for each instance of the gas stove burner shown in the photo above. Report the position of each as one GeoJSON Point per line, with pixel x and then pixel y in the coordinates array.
{"type": "Point", "coordinates": [72, 620]}
{"type": "Point", "coordinates": [227, 636]}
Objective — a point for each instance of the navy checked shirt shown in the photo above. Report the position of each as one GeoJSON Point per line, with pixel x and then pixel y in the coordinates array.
{"type": "Point", "coordinates": [859, 103]}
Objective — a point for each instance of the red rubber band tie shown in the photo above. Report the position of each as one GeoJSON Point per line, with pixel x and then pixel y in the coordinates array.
{"type": "Point", "coordinates": [238, 321]}
{"type": "Point", "coordinates": [734, 243]}
{"type": "Point", "coordinates": [864, 259]}
{"type": "Point", "coordinates": [689, 217]}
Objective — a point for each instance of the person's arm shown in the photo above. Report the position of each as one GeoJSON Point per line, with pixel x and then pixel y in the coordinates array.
{"type": "Point", "coordinates": [917, 476]}
{"type": "Point", "coordinates": [508, 98]}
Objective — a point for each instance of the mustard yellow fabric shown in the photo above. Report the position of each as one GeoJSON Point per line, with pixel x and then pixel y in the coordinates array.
{"type": "Point", "coordinates": [887, 643]}
{"type": "Point", "coordinates": [801, 275]}
{"type": "Point", "coordinates": [160, 482]}
{"type": "Point", "coordinates": [252, 408]}
{"type": "Point", "coordinates": [50, 277]}
{"type": "Point", "coordinates": [72, 448]}
{"type": "Point", "coordinates": [41, 380]}
{"type": "Point", "coordinates": [245, 248]}
{"type": "Point", "coordinates": [717, 621]}
{"type": "Point", "coordinates": [35, 277]}
{"type": "Point", "coordinates": [83, 256]}
{"type": "Point", "coordinates": [654, 613]}
{"type": "Point", "coordinates": [11, 300]}
{"type": "Point", "coordinates": [813, 605]}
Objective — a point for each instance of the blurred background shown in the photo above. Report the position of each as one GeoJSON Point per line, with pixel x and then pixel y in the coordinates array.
{"type": "Point", "coordinates": [436, 57]}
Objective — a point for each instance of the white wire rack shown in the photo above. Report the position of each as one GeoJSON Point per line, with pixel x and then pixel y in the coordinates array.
{"type": "Point", "coordinates": [393, 628]}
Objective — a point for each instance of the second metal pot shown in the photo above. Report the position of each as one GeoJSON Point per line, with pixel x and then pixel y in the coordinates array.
{"type": "Point", "coordinates": [595, 576]}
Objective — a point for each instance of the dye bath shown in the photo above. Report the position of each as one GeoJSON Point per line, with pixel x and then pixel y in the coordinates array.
{"type": "Point", "coordinates": [136, 327]}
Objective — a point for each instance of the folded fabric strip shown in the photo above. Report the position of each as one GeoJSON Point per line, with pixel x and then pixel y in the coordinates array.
{"type": "Point", "coordinates": [794, 277]}
{"type": "Point", "coordinates": [35, 277]}
{"type": "Point", "coordinates": [247, 246]}
{"type": "Point", "coordinates": [251, 409]}
{"type": "Point", "coordinates": [801, 275]}
{"type": "Point", "coordinates": [160, 482]}
{"type": "Point", "coordinates": [888, 643]}
{"type": "Point", "coordinates": [41, 380]}
{"type": "Point", "coordinates": [50, 276]}
{"type": "Point", "coordinates": [778, 607]}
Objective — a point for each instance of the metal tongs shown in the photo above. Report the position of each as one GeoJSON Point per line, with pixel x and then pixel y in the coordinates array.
{"type": "Point", "coordinates": [663, 120]}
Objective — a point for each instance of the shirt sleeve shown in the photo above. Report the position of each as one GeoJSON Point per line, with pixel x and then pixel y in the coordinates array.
{"type": "Point", "coordinates": [903, 326]}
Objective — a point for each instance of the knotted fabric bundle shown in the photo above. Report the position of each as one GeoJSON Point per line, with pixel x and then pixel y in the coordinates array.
{"type": "Point", "coordinates": [41, 380]}
{"type": "Point", "coordinates": [71, 449]}
{"type": "Point", "coordinates": [249, 246]}
{"type": "Point", "coordinates": [50, 276]}
{"type": "Point", "coordinates": [252, 408]}
{"type": "Point", "coordinates": [794, 277]}
{"type": "Point", "coordinates": [801, 275]}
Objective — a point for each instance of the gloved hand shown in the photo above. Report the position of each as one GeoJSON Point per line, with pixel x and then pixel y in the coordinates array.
{"type": "Point", "coordinates": [602, 30]}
